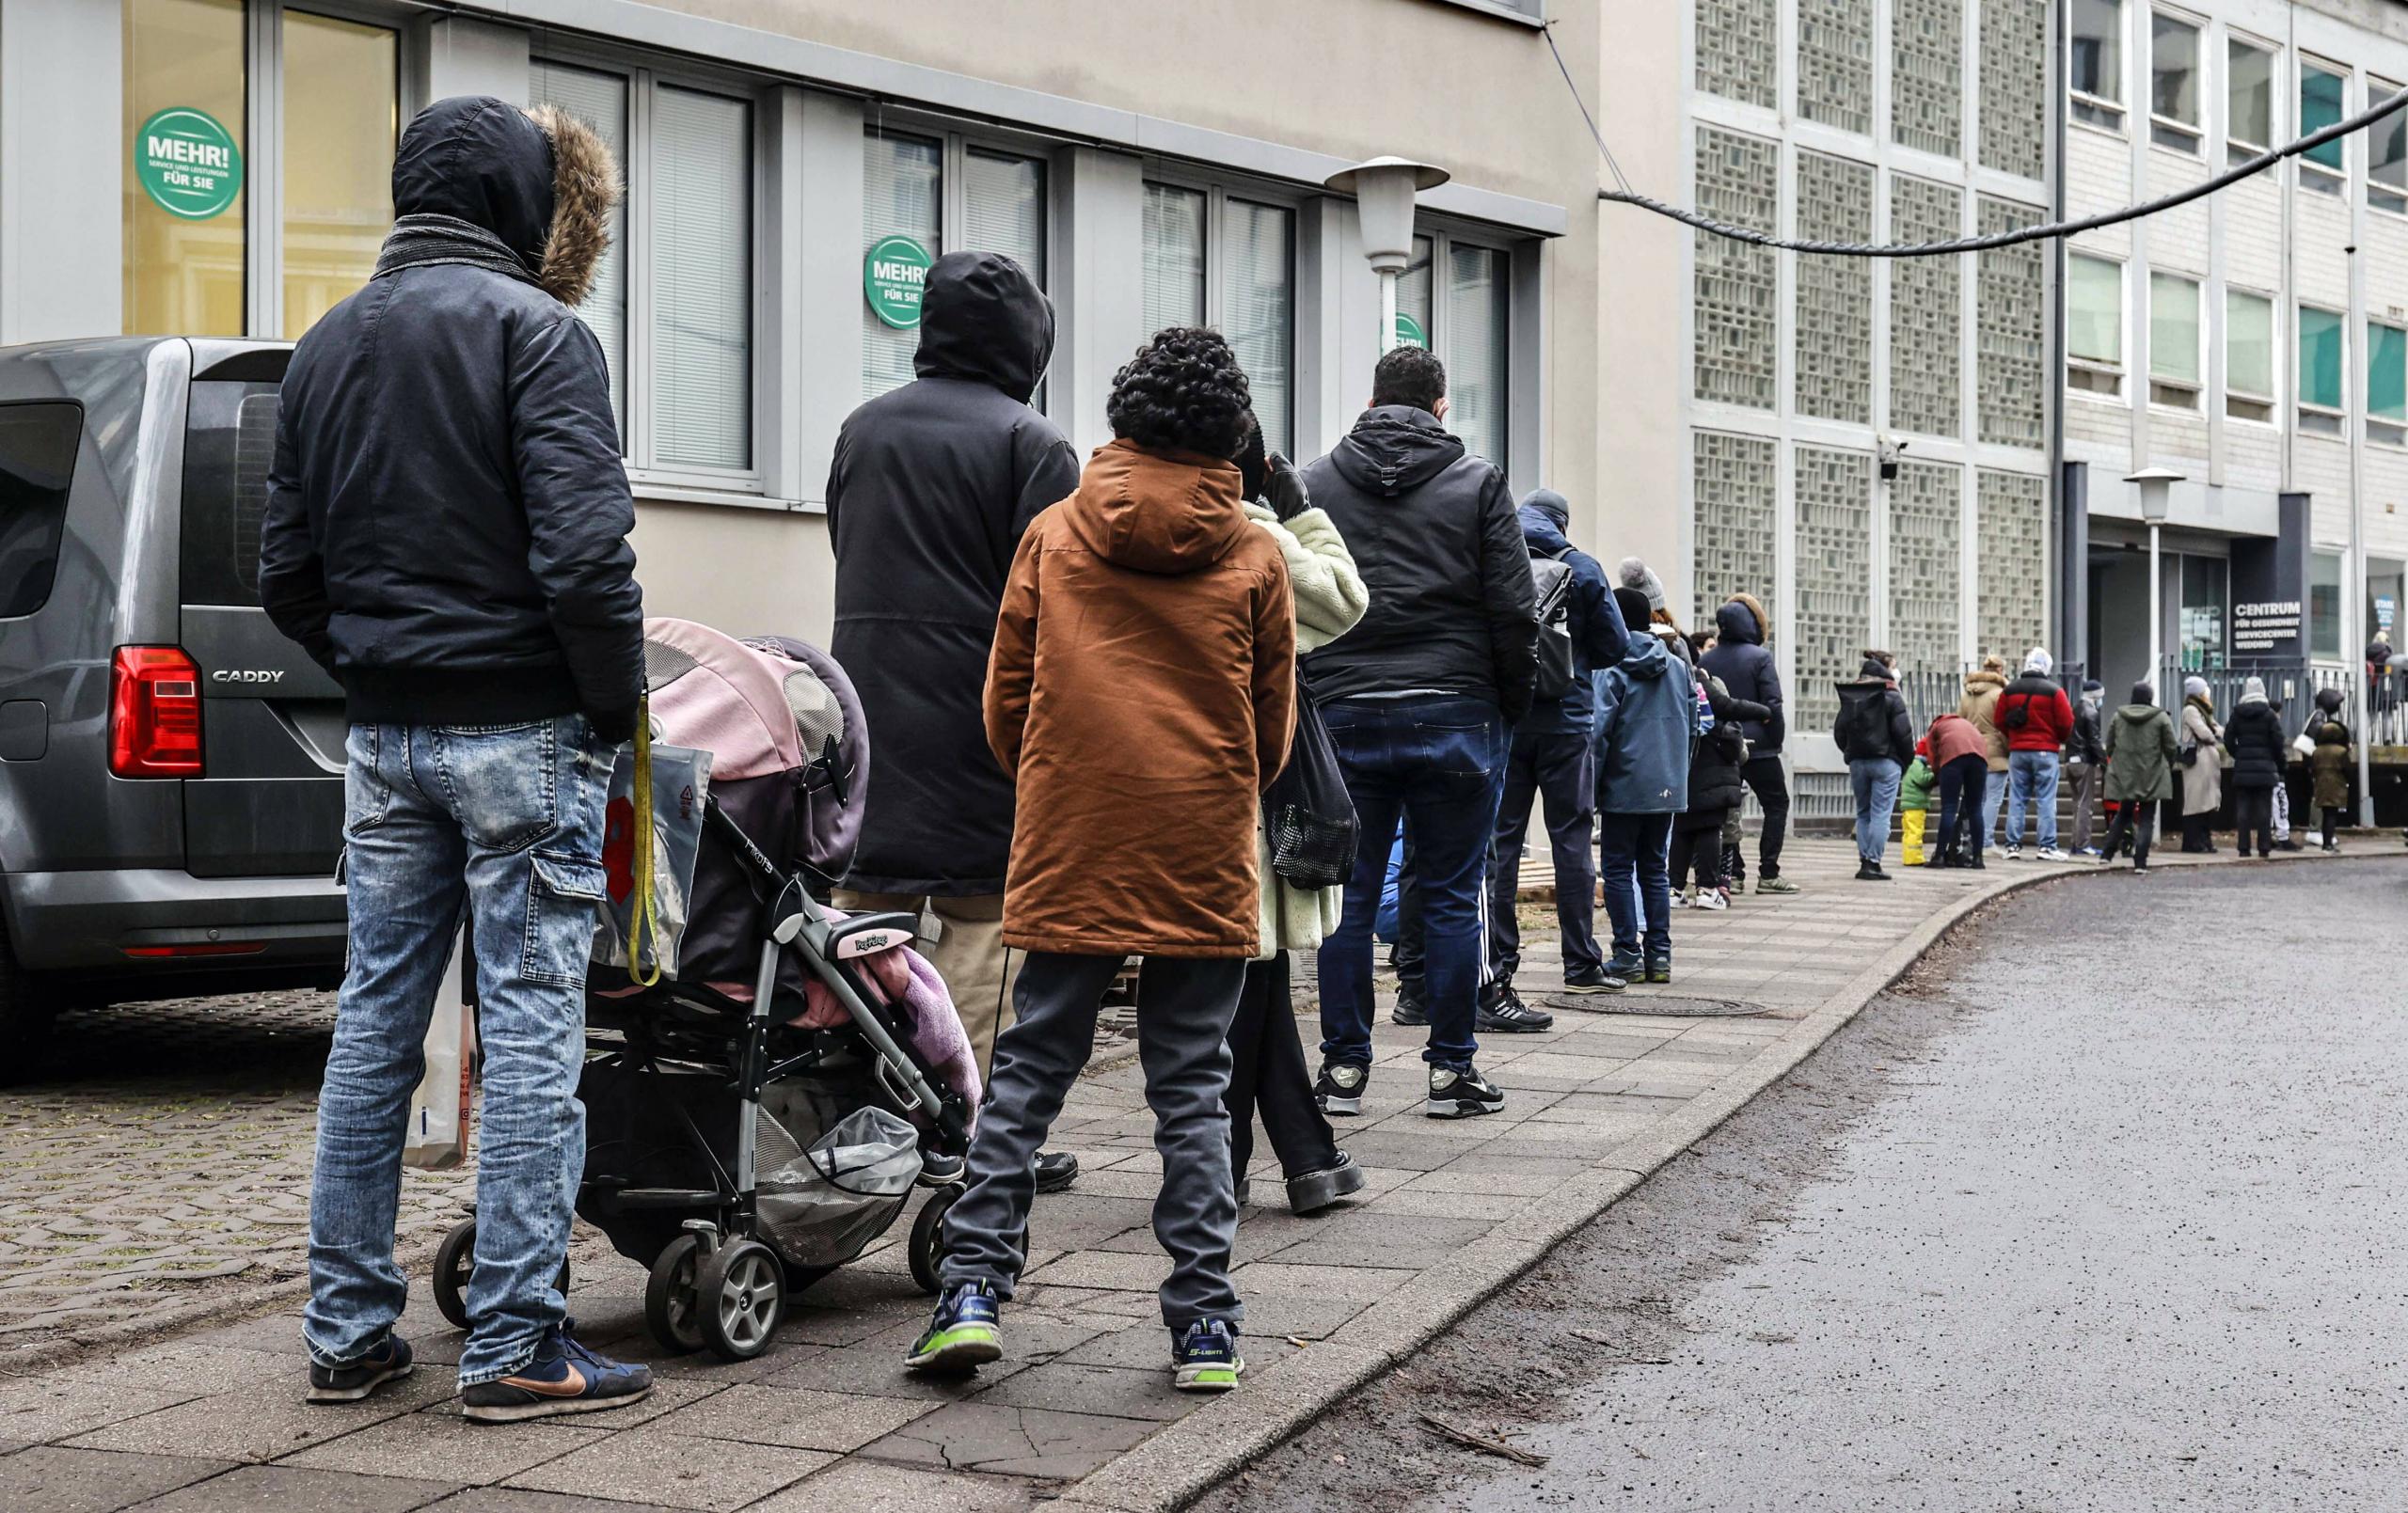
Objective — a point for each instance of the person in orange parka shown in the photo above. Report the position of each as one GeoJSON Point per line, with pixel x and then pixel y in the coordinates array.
{"type": "Point", "coordinates": [1141, 695]}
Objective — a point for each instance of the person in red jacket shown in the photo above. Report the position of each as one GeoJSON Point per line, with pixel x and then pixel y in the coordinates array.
{"type": "Point", "coordinates": [2035, 717]}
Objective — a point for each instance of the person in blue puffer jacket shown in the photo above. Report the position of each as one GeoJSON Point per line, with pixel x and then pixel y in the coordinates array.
{"type": "Point", "coordinates": [1646, 717]}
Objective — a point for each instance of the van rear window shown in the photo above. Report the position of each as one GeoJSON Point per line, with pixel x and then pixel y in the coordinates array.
{"type": "Point", "coordinates": [38, 445]}
{"type": "Point", "coordinates": [229, 440]}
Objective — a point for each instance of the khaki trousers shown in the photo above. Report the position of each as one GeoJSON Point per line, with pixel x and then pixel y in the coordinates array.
{"type": "Point", "coordinates": [969, 954]}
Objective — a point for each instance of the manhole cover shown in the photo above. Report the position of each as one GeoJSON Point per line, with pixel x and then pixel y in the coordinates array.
{"type": "Point", "coordinates": [1658, 1005]}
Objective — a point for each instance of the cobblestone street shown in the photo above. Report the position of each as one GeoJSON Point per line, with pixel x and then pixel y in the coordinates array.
{"type": "Point", "coordinates": [161, 1165]}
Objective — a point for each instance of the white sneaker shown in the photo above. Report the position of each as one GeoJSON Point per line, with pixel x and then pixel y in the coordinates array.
{"type": "Point", "coordinates": [1708, 899]}
{"type": "Point", "coordinates": [2013, 853]}
{"type": "Point", "coordinates": [1680, 900]}
{"type": "Point", "coordinates": [2049, 853]}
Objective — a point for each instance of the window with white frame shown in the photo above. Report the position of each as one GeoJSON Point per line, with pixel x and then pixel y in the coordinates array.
{"type": "Point", "coordinates": [942, 191]}
{"type": "Point", "coordinates": [1218, 256]}
{"type": "Point", "coordinates": [2249, 100]}
{"type": "Point", "coordinates": [1458, 296]}
{"type": "Point", "coordinates": [672, 302]}
{"type": "Point", "coordinates": [2323, 99]}
{"type": "Point", "coordinates": [2174, 82]}
{"type": "Point", "coordinates": [2387, 384]}
{"type": "Point", "coordinates": [2174, 342]}
{"type": "Point", "coordinates": [2248, 355]}
{"type": "Point", "coordinates": [2095, 63]}
{"type": "Point", "coordinates": [2322, 378]}
{"type": "Point", "coordinates": [2094, 324]}
{"type": "Point", "coordinates": [2386, 151]}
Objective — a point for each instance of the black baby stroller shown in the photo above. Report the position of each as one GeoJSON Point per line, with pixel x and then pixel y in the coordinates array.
{"type": "Point", "coordinates": [737, 1154]}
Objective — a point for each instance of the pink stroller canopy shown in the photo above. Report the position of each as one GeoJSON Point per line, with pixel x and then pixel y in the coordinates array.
{"type": "Point", "coordinates": [713, 693]}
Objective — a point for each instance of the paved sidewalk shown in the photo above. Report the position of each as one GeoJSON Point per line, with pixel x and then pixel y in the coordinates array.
{"type": "Point", "coordinates": [828, 1420]}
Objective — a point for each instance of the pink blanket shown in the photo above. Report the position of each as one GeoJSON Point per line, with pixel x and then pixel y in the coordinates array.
{"type": "Point", "coordinates": [905, 980]}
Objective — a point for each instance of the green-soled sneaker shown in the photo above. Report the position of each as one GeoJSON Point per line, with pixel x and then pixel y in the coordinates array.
{"type": "Point", "coordinates": [961, 1335]}
{"type": "Point", "coordinates": [1205, 1358]}
{"type": "Point", "coordinates": [1777, 885]}
{"type": "Point", "coordinates": [1660, 971]}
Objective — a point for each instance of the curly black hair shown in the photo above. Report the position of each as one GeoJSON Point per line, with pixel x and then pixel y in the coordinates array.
{"type": "Point", "coordinates": [1183, 391]}
{"type": "Point", "coordinates": [1254, 459]}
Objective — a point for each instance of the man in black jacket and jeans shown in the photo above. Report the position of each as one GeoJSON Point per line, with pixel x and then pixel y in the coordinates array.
{"type": "Point", "coordinates": [1876, 736]}
{"type": "Point", "coordinates": [1420, 699]}
{"type": "Point", "coordinates": [931, 488]}
{"type": "Point", "coordinates": [446, 534]}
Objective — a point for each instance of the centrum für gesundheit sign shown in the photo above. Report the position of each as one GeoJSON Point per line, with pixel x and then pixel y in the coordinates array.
{"type": "Point", "coordinates": [187, 164]}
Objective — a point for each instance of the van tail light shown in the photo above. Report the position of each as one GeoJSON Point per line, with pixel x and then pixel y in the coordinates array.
{"type": "Point", "coordinates": [154, 712]}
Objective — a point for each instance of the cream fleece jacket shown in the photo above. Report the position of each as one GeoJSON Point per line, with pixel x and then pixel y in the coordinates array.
{"type": "Point", "coordinates": [1330, 601]}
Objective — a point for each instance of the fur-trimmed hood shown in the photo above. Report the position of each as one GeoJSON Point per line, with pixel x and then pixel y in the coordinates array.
{"type": "Point", "coordinates": [540, 180]}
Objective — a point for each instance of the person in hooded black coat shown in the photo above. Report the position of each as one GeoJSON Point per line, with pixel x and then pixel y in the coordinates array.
{"type": "Point", "coordinates": [2253, 735]}
{"type": "Point", "coordinates": [930, 490]}
{"type": "Point", "coordinates": [1746, 667]}
{"type": "Point", "coordinates": [1717, 786]}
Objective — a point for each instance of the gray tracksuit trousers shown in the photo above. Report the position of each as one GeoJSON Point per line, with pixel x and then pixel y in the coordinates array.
{"type": "Point", "coordinates": [1185, 1007]}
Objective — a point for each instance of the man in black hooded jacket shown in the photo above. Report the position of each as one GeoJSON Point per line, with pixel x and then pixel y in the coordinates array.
{"type": "Point", "coordinates": [1420, 699]}
{"type": "Point", "coordinates": [931, 487]}
{"type": "Point", "coordinates": [446, 532]}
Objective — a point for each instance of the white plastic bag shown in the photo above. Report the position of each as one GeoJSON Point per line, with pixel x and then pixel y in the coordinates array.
{"type": "Point", "coordinates": [438, 1138]}
{"type": "Point", "coordinates": [681, 778]}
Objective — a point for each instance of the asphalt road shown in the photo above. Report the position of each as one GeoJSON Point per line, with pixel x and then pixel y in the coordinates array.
{"type": "Point", "coordinates": [2106, 1206]}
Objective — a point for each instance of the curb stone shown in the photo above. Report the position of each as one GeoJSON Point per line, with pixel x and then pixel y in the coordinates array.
{"type": "Point", "coordinates": [1197, 1453]}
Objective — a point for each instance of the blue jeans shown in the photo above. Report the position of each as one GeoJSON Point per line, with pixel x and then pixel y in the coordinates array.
{"type": "Point", "coordinates": [506, 821]}
{"type": "Point", "coordinates": [1634, 847]}
{"type": "Point", "coordinates": [1875, 782]}
{"type": "Point", "coordinates": [1993, 804]}
{"type": "Point", "coordinates": [1434, 761]}
{"type": "Point", "coordinates": [2032, 778]}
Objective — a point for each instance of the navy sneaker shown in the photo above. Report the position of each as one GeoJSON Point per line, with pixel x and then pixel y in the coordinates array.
{"type": "Point", "coordinates": [564, 1377]}
{"type": "Point", "coordinates": [1628, 969]}
{"type": "Point", "coordinates": [961, 1335]}
{"type": "Point", "coordinates": [1204, 1357]}
{"type": "Point", "coordinates": [390, 1362]}
{"type": "Point", "coordinates": [1592, 980]}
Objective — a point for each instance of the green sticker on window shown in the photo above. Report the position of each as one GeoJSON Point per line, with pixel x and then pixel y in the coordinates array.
{"type": "Point", "coordinates": [188, 164]}
{"type": "Point", "coordinates": [1409, 333]}
{"type": "Point", "coordinates": [893, 275]}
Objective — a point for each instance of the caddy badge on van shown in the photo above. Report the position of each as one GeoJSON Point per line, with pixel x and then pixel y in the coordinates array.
{"type": "Point", "coordinates": [247, 675]}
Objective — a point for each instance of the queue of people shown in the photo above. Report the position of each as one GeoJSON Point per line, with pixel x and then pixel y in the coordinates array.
{"type": "Point", "coordinates": [1082, 680]}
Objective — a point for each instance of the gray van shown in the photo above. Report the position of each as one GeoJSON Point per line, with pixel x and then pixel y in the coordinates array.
{"type": "Point", "coordinates": [171, 765]}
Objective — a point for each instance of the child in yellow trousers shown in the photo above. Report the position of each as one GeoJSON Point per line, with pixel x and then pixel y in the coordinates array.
{"type": "Point", "coordinates": [1914, 802]}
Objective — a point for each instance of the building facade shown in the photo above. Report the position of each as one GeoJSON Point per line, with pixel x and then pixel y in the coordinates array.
{"type": "Point", "coordinates": [220, 166]}
{"type": "Point", "coordinates": [2255, 342]}
{"type": "Point", "coordinates": [1863, 444]}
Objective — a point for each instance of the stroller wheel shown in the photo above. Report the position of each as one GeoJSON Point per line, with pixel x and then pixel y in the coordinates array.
{"type": "Point", "coordinates": [742, 1292]}
{"type": "Point", "coordinates": [928, 1236]}
{"type": "Point", "coordinates": [672, 1309]}
{"type": "Point", "coordinates": [453, 1260]}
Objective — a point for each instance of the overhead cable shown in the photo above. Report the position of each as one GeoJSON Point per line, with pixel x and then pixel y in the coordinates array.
{"type": "Point", "coordinates": [2015, 236]}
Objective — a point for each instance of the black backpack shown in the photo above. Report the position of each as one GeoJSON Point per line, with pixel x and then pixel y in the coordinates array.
{"type": "Point", "coordinates": [1551, 575]}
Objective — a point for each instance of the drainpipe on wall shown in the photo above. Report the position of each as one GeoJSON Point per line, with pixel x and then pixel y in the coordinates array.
{"type": "Point", "coordinates": [2073, 582]}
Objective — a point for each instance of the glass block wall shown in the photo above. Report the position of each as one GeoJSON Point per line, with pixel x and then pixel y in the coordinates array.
{"type": "Point", "coordinates": [1926, 565]}
{"type": "Point", "coordinates": [2014, 103]}
{"type": "Point", "coordinates": [1834, 367]}
{"type": "Point", "coordinates": [1928, 75]}
{"type": "Point", "coordinates": [1737, 487]}
{"type": "Point", "coordinates": [2011, 312]}
{"type": "Point", "coordinates": [1834, 566]}
{"type": "Point", "coordinates": [1926, 310]}
{"type": "Point", "coordinates": [1737, 56]}
{"type": "Point", "coordinates": [2010, 614]}
{"type": "Point", "coordinates": [1835, 63]}
{"type": "Point", "coordinates": [1738, 285]}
